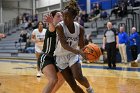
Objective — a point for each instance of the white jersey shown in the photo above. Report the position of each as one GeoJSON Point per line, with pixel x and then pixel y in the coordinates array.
{"type": "Point", "coordinates": [39, 36]}
{"type": "Point", "coordinates": [72, 39]}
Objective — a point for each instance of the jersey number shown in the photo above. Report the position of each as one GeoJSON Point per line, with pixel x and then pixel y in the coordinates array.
{"type": "Point", "coordinates": [70, 43]}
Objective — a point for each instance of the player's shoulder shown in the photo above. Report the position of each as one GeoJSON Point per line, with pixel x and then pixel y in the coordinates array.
{"type": "Point", "coordinates": [44, 29]}
{"type": "Point", "coordinates": [35, 30]}
{"type": "Point", "coordinates": [59, 25]}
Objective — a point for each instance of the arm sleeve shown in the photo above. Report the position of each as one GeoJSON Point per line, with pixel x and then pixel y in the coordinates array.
{"type": "Point", "coordinates": [115, 31]}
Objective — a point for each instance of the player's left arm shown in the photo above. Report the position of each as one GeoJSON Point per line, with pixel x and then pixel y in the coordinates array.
{"type": "Point", "coordinates": [81, 38]}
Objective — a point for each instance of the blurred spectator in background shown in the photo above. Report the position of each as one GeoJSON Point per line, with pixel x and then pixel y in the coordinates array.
{"type": "Point", "coordinates": [84, 16]}
{"type": "Point", "coordinates": [122, 10]}
{"type": "Point", "coordinates": [96, 9]}
{"type": "Point", "coordinates": [29, 25]}
{"type": "Point", "coordinates": [34, 25]}
{"type": "Point", "coordinates": [137, 3]}
{"type": "Point", "coordinates": [29, 47]}
{"type": "Point", "coordinates": [115, 10]}
{"type": "Point", "coordinates": [23, 36]}
{"type": "Point", "coordinates": [131, 2]}
{"type": "Point", "coordinates": [35, 17]}
{"type": "Point", "coordinates": [123, 40]}
{"type": "Point", "coordinates": [103, 14]}
{"type": "Point", "coordinates": [134, 39]}
{"type": "Point", "coordinates": [92, 13]}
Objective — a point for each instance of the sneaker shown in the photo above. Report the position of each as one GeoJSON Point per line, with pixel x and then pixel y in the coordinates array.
{"type": "Point", "coordinates": [90, 90]}
{"type": "Point", "coordinates": [38, 74]}
{"type": "Point", "coordinates": [134, 64]}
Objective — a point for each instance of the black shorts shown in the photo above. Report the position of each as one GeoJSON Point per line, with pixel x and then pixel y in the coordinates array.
{"type": "Point", "coordinates": [45, 60]}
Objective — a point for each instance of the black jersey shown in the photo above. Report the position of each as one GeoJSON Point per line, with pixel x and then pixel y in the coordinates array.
{"type": "Point", "coordinates": [49, 42]}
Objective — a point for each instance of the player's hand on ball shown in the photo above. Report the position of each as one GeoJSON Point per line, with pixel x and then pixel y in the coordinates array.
{"type": "Point", "coordinates": [83, 54]}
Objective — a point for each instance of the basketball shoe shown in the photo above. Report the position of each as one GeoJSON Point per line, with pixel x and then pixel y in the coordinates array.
{"type": "Point", "coordinates": [90, 90]}
{"type": "Point", "coordinates": [38, 74]}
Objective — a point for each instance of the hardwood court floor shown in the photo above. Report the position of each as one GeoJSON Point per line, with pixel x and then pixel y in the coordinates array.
{"type": "Point", "coordinates": [19, 76]}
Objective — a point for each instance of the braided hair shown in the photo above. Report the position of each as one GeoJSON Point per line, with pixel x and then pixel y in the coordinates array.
{"type": "Point", "coordinates": [73, 8]}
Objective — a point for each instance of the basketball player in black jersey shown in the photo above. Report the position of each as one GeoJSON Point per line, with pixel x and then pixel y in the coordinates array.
{"type": "Point", "coordinates": [47, 61]}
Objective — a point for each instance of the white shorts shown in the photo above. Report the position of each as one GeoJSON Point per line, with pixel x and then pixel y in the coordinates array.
{"type": "Point", "coordinates": [38, 49]}
{"type": "Point", "coordinates": [64, 61]}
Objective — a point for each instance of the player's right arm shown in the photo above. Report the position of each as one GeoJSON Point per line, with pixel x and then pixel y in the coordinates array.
{"type": "Point", "coordinates": [33, 37]}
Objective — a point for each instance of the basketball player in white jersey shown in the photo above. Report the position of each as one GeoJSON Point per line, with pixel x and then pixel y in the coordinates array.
{"type": "Point", "coordinates": [38, 36]}
{"type": "Point", "coordinates": [70, 36]}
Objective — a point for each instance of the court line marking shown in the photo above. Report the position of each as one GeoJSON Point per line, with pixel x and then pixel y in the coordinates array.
{"type": "Point", "coordinates": [83, 65]}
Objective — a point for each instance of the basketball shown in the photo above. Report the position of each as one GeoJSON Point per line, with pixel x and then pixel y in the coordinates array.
{"type": "Point", "coordinates": [92, 52]}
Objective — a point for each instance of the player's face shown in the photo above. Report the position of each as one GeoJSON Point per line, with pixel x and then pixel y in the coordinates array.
{"type": "Point", "coordinates": [58, 17]}
{"type": "Point", "coordinates": [67, 17]}
{"type": "Point", "coordinates": [40, 25]}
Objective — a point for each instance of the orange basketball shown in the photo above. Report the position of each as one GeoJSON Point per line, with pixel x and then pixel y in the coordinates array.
{"type": "Point", "coordinates": [93, 52]}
